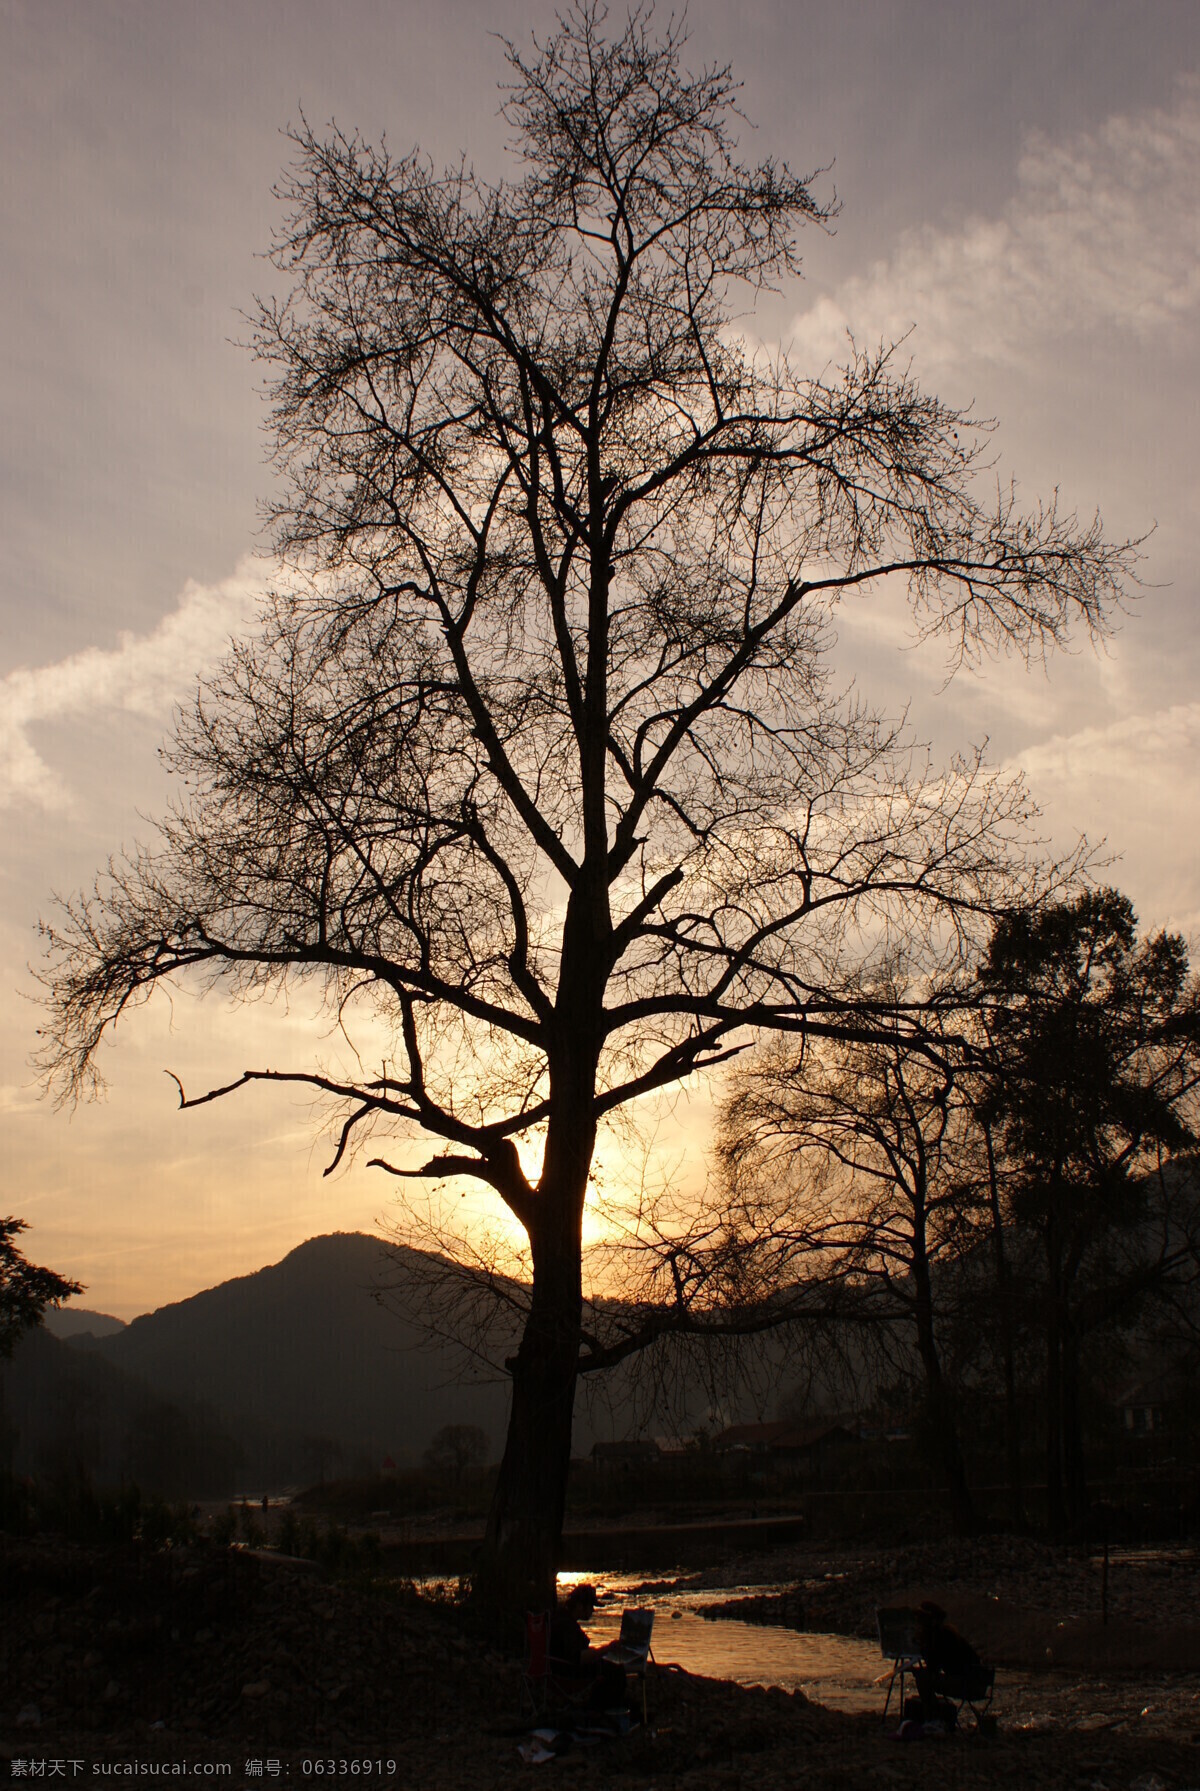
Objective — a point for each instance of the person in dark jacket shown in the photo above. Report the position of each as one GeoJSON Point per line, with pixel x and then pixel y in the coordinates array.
{"type": "Point", "coordinates": [951, 1668]}
{"type": "Point", "coordinates": [574, 1661]}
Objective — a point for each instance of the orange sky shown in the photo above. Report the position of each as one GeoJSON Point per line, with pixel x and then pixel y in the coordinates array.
{"type": "Point", "coordinates": [1018, 182]}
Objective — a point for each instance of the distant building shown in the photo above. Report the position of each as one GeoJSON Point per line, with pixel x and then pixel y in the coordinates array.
{"type": "Point", "coordinates": [891, 1427]}
{"type": "Point", "coordinates": [1144, 1406]}
{"type": "Point", "coordinates": [786, 1444]}
{"type": "Point", "coordinates": [624, 1456]}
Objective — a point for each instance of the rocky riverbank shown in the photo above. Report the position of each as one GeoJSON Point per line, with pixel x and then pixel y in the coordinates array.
{"type": "Point", "coordinates": [1025, 1603]}
{"type": "Point", "coordinates": [111, 1656]}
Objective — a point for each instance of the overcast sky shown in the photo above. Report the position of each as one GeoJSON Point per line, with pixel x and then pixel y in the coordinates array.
{"type": "Point", "coordinates": [1018, 186]}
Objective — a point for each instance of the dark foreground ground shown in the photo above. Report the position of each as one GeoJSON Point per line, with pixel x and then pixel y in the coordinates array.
{"type": "Point", "coordinates": [205, 1657]}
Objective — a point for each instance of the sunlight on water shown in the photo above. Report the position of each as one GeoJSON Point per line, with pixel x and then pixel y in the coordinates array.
{"type": "Point", "coordinates": [840, 1671]}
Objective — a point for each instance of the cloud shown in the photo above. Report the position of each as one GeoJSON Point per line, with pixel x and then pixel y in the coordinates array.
{"type": "Point", "coordinates": [18, 1098]}
{"type": "Point", "coordinates": [1149, 751]}
{"type": "Point", "coordinates": [1135, 783]}
{"type": "Point", "coordinates": [145, 674]}
{"type": "Point", "coordinates": [1100, 232]}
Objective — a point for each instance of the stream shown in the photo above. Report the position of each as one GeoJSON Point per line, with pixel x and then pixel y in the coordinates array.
{"type": "Point", "coordinates": [839, 1671]}
{"type": "Point", "coordinates": [848, 1673]}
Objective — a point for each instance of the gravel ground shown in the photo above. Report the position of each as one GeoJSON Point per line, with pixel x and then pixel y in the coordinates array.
{"type": "Point", "coordinates": [111, 1657]}
{"type": "Point", "coordinates": [1024, 1603]}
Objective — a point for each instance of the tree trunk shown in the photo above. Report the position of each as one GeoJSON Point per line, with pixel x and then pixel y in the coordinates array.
{"type": "Point", "coordinates": [943, 1430]}
{"type": "Point", "coordinates": [1005, 1289]}
{"type": "Point", "coordinates": [518, 1565]}
{"type": "Point", "coordinates": [516, 1571]}
{"type": "Point", "coordinates": [1074, 1467]}
{"type": "Point", "coordinates": [1056, 1507]}
{"type": "Point", "coordinates": [517, 1568]}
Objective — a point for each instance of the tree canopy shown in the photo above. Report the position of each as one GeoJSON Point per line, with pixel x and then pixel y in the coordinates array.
{"type": "Point", "coordinates": [25, 1290]}
{"type": "Point", "coordinates": [1092, 1076]}
{"type": "Point", "coordinates": [1012, 1177]}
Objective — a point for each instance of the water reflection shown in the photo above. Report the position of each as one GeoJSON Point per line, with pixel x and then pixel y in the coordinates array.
{"type": "Point", "coordinates": [840, 1671]}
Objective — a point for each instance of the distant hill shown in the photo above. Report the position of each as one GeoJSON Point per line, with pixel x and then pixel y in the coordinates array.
{"type": "Point", "coordinates": [292, 1374]}
{"type": "Point", "coordinates": [65, 1410]}
{"type": "Point", "coordinates": [304, 1362]}
{"type": "Point", "coordinates": [76, 1321]}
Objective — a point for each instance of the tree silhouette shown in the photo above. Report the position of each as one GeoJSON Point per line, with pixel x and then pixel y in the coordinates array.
{"type": "Point", "coordinates": [456, 1452]}
{"type": "Point", "coordinates": [855, 1165]}
{"type": "Point", "coordinates": [538, 757]}
{"type": "Point", "coordinates": [25, 1290]}
{"type": "Point", "coordinates": [1093, 1074]}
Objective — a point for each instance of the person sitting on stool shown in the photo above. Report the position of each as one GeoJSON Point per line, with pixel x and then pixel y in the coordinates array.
{"type": "Point", "coordinates": [951, 1667]}
{"type": "Point", "coordinates": [572, 1657]}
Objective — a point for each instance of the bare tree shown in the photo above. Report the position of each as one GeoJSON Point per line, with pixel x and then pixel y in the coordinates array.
{"type": "Point", "coordinates": [538, 758]}
{"type": "Point", "coordinates": [863, 1158]}
{"type": "Point", "coordinates": [457, 1452]}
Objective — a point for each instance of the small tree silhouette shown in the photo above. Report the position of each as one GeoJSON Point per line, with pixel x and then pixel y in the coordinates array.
{"type": "Point", "coordinates": [457, 1452]}
{"type": "Point", "coordinates": [25, 1290]}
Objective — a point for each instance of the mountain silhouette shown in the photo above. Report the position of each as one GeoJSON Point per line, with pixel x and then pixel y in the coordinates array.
{"type": "Point", "coordinates": [65, 1413]}
{"type": "Point", "coordinates": [303, 1353]}
{"type": "Point", "coordinates": [323, 1364]}
{"type": "Point", "coordinates": [77, 1321]}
